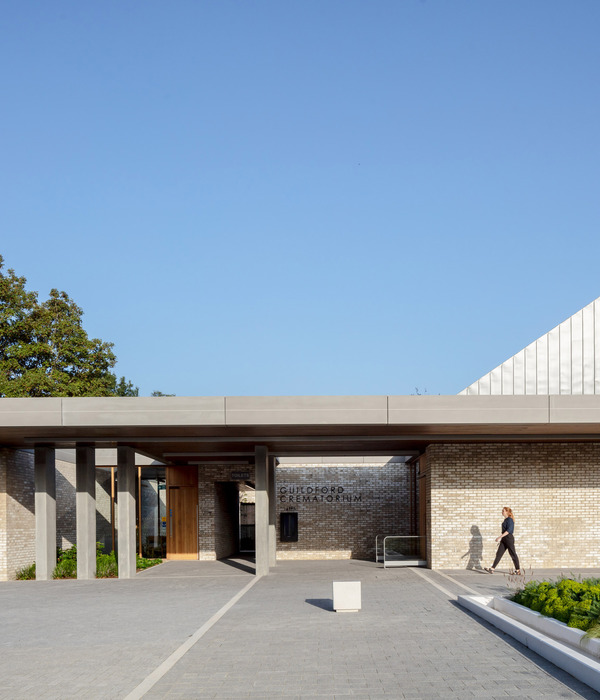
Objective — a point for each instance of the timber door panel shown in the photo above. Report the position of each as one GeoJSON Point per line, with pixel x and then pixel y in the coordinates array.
{"type": "Point", "coordinates": [182, 513]}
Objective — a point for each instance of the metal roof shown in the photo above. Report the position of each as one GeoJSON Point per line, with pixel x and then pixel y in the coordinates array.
{"type": "Point", "coordinates": [564, 361]}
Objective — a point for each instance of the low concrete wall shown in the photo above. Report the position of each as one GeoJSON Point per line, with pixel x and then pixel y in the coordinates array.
{"type": "Point", "coordinates": [579, 662]}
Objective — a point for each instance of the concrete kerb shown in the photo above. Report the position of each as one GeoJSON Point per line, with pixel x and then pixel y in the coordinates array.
{"type": "Point", "coordinates": [579, 664]}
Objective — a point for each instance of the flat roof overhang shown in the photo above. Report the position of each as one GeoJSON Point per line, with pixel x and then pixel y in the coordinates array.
{"type": "Point", "coordinates": [183, 430]}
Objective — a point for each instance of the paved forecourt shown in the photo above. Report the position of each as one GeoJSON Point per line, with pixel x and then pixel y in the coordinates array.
{"type": "Point", "coordinates": [173, 632]}
{"type": "Point", "coordinates": [100, 638]}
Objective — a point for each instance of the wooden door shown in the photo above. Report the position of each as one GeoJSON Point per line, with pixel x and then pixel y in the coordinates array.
{"type": "Point", "coordinates": [182, 513]}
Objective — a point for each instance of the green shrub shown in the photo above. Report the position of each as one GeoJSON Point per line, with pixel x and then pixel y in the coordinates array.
{"type": "Point", "coordinates": [66, 564]}
{"type": "Point", "coordinates": [577, 603]}
{"type": "Point", "coordinates": [67, 568]}
{"type": "Point", "coordinates": [106, 565]}
{"type": "Point", "coordinates": [561, 611]}
{"type": "Point", "coordinates": [142, 563]}
{"type": "Point", "coordinates": [27, 573]}
{"type": "Point", "coordinates": [593, 631]}
{"type": "Point", "coordinates": [525, 596]}
{"type": "Point", "coordinates": [569, 589]}
{"type": "Point", "coordinates": [578, 622]}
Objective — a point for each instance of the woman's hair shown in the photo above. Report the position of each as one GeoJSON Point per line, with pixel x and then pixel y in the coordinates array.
{"type": "Point", "coordinates": [509, 512]}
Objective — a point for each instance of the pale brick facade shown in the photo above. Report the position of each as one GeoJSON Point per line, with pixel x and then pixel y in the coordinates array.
{"type": "Point", "coordinates": [17, 509]}
{"type": "Point", "coordinates": [553, 489]}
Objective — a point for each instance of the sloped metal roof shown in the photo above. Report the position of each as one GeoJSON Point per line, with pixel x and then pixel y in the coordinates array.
{"type": "Point", "coordinates": [564, 361]}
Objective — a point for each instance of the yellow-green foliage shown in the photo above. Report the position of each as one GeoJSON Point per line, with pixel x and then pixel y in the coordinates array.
{"type": "Point", "coordinates": [575, 602]}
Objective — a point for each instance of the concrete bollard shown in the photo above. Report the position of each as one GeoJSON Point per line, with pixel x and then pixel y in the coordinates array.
{"type": "Point", "coordinates": [346, 596]}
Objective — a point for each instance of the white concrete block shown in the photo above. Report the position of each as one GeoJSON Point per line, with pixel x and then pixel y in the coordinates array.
{"type": "Point", "coordinates": [346, 596]}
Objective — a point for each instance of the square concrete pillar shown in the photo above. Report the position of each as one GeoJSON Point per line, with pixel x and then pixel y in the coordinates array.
{"type": "Point", "coordinates": [261, 519]}
{"type": "Point", "coordinates": [45, 512]}
{"type": "Point", "coordinates": [85, 508]}
{"type": "Point", "coordinates": [271, 487]}
{"type": "Point", "coordinates": [126, 476]}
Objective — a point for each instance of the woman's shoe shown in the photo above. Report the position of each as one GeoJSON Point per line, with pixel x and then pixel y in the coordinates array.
{"type": "Point", "coordinates": [490, 571]}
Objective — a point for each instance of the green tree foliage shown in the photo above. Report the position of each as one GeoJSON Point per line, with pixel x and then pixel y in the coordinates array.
{"type": "Point", "coordinates": [125, 388]}
{"type": "Point", "coordinates": [44, 351]}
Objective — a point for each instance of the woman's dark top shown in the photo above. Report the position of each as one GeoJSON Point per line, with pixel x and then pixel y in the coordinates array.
{"type": "Point", "coordinates": [508, 526]}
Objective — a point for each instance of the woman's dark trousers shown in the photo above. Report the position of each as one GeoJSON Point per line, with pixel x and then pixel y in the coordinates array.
{"type": "Point", "coordinates": [507, 542]}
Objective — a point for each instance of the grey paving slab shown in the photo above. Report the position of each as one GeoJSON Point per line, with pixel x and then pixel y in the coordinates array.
{"type": "Point", "coordinates": [100, 639]}
{"type": "Point", "coordinates": [409, 640]}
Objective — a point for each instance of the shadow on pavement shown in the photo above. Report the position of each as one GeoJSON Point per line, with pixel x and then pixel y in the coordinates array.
{"type": "Point", "coordinates": [247, 566]}
{"type": "Point", "coordinates": [323, 603]}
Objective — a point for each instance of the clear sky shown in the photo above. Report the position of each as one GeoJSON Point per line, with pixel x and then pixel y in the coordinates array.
{"type": "Point", "coordinates": [309, 196]}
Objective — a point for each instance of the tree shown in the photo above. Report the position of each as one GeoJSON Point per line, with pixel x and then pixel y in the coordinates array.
{"type": "Point", "coordinates": [44, 350]}
{"type": "Point", "coordinates": [159, 393]}
{"type": "Point", "coordinates": [125, 388]}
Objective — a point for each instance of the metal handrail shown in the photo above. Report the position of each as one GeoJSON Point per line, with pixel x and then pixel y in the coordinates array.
{"type": "Point", "coordinates": [377, 547]}
{"type": "Point", "coordinates": [392, 557]}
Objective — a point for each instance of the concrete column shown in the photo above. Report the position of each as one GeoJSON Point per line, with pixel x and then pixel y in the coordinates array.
{"type": "Point", "coordinates": [45, 513]}
{"type": "Point", "coordinates": [261, 520]}
{"type": "Point", "coordinates": [85, 507]}
{"type": "Point", "coordinates": [271, 482]}
{"type": "Point", "coordinates": [126, 475]}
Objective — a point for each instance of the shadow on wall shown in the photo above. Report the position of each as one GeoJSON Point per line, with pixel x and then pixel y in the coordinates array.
{"type": "Point", "coordinates": [20, 480]}
{"type": "Point", "coordinates": [66, 524]}
{"type": "Point", "coordinates": [104, 532]}
{"type": "Point", "coordinates": [475, 551]}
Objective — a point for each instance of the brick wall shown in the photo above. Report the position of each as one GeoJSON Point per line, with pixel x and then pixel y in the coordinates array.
{"type": "Point", "coordinates": [103, 509]}
{"type": "Point", "coordinates": [17, 511]}
{"type": "Point", "coordinates": [3, 524]}
{"type": "Point", "coordinates": [66, 523]}
{"type": "Point", "coordinates": [553, 489]}
{"type": "Point", "coordinates": [342, 508]}
{"type": "Point", "coordinates": [217, 510]}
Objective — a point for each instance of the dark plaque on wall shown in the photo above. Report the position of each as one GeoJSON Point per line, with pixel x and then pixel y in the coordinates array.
{"type": "Point", "coordinates": [240, 476]}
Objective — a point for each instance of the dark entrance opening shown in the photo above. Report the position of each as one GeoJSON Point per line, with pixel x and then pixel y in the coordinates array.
{"type": "Point", "coordinates": [247, 527]}
{"type": "Point", "coordinates": [234, 518]}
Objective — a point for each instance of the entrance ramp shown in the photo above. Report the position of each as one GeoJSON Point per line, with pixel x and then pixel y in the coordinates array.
{"type": "Point", "coordinates": [400, 550]}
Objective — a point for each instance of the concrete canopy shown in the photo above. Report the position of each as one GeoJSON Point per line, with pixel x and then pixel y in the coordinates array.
{"type": "Point", "coordinates": [193, 430]}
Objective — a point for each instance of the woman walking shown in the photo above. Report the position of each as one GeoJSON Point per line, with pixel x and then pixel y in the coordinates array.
{"type": "Point", "coordinates": [507, 541]}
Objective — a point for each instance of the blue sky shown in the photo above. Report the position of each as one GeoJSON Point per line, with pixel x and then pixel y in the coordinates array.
{"type": "Point", "coordinates": [332, 197]}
